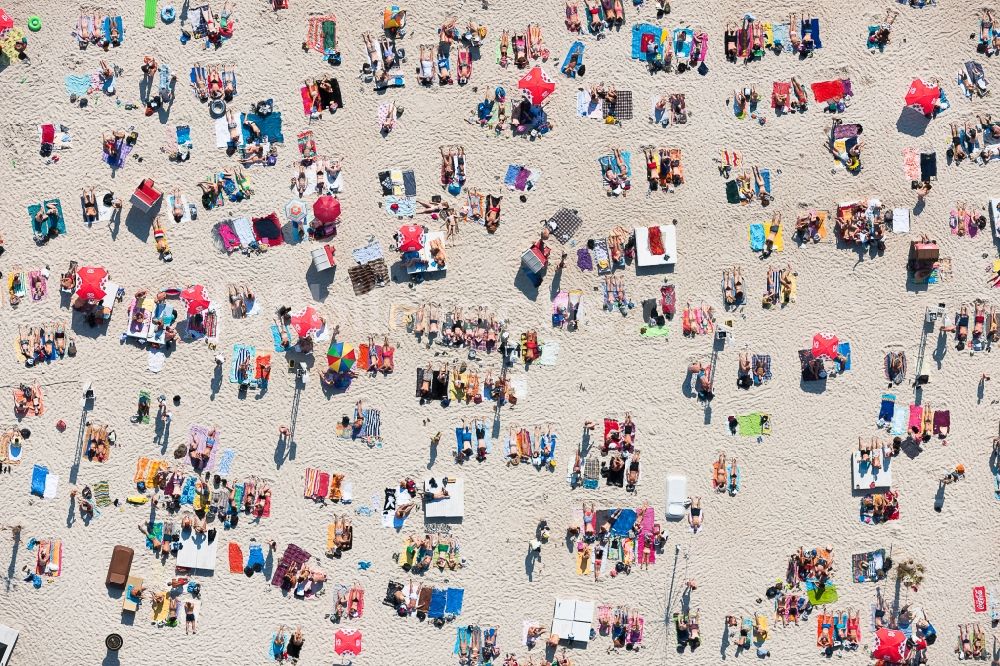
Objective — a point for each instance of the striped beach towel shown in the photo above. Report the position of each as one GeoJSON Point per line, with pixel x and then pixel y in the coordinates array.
{"type": "Point", "coordinates": [102, 495]}
{"type": "Point", "coordinates": [371, 427]}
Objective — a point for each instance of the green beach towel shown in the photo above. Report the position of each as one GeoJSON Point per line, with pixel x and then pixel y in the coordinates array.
{"type": "Point", "coordinates": [750, 425]}
{"type": "Point", "coordinates": [654, 331]}
{"type": "Point", "coordinates": [329, 35]}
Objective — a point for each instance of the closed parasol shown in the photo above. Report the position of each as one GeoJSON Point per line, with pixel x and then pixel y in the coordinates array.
{"type": "Point", "coordinates": [90, 282]}
{"type": "Point", "coordinates": [326, 209]}
{"type": "Point", "coordinates": [411, 238]}
{"type": "Point", "coordinates": [537, 85]}
{"type": "Point", "coordinates": [825, 346]}
{"type": "Point", "coordinates": [307, 322]}
{"type": "Point", "coordinates": [195, 299]}
{"type": "Point", "coordinates": [341, 356]}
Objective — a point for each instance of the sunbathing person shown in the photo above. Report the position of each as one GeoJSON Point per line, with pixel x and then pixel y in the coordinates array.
{"type": "Point", "coordinates": [464, 65]}
{"type": "Point", "coordinates": [694, 514]}
{"type": "Point", "coordinates": [594, 9]}
{"type": "Point", "coordinates": [765, 196]}
{"type": "Point", "coordinates": [200, 83]}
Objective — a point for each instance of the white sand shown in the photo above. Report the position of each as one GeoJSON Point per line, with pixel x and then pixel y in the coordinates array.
{"type": "Point", "coordinates": [796, 484]}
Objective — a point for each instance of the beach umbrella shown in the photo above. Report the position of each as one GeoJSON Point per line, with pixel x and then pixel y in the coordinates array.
{"type": "Point", "coordinates": [295, 210]}
{"type": "Point", "coordinates": [825, 345]}
{"type": "Point", "coordinates": [347, 641]}
{"type": "Point", "coordinates": [341, 356]}
{"type": "Point", "coordinates": [195, 299]}
{"type": "Point", "coordinates": [90, 282]}
{"type": "Point", "coordinates": [537, 85]}
{"type": "Point", "coordinates": [890, 645]}
{"type": "Point", "coordinates": [922, 95]}
{"type": "Point", "coordinates": [326, 209]}
{"type": "Point", "coordinates": [411, 238]}
{"type": "Point", "coordinates": [6, 22]}
{"type": "Point", "coordinates": [307, 322]}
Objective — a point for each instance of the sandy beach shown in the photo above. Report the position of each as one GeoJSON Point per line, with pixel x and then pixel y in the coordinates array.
{"type": "Point", "coordinates": [796, 482]}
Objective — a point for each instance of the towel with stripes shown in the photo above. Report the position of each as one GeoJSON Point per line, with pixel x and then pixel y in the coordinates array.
{"type": "Point", "coordinates": [371, 427]}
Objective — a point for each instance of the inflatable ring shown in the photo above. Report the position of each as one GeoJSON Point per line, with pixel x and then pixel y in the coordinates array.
{"type": "Point", "coordinates": [168, 13]}
{"type": "Point", "coordinates": [217, 108]}
{"type": "Point", "coordinates": [34, 24]}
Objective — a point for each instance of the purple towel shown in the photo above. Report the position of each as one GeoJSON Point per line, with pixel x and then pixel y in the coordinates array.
{"type": "Point", "coordinates": [942, 419]}
{"type": "Point", "coordinates": [583, 260]}
{"type": "Point", "coordinates": [521, 181]}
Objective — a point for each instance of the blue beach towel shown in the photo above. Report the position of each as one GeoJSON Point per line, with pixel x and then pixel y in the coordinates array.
{"type": "Point", "coordinates": [269, 126]}
{"type": "Point", "coordinates": [900, 419]}
{"type": "Point", "coordinates": [256, 556]}
{"type": "Point", "coordinates": [887, 409]}
{"type": "Point", "coordinates": [453, 602]}
{"type": "Point", "coordinates": [765, 175]}
{"type": "Point", "coordinates": [782, 35]}
{"type": "Point", "coordinates": [757, 237]}
{"type": "Point", "coordinates": [106, 28]}
{"type": "Point", "coordinates": [683, 49]}
{"type": "Point", "coordinates": [812, 27]}
{"type": "Point", "coordinates": [438, 601]}
{"type": "Point", "coordinates": [638, 31]}
{"type": "Point", "coordinates": [187, 491]}
{"type": "Point", "coordinates": [844, 349]}
{"type": "Point", "coordinates": [575, 48]}
{"type": "Point", "coordinates": [225, 464]}
{"type": "Point", "coordinates": [38, 475]}
{"type": "Point", "coordinates": [624, 522]}
{"type": "Point", "coordinates": [461, 636]}
{"type": "Point", "coordinates": [184, 136]}
{"type": "Point", "coordinates": [609, 162]}
{"type": "Point", "coordinates": [276, 338]}
{"type": "Point", "coordinates": [407, 206]}
{"type": "Point", "coordinates": [78, 84]}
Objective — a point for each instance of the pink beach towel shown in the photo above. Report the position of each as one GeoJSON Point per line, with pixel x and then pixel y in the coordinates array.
{"type": "Point", "coordinates": [911, 164]}
{"type": "Point", "coordinates": [916, 416]}
{"type": "Point", "coordinates": [781, 88]}
{"type": "Point", "coordinates": [646, 528]}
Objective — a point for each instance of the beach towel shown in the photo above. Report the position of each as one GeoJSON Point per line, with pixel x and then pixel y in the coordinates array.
{"type": "Point", "coordinates": [942, 421]}
{"type": "Point", "coordinates": [757, 237]}
{"type": "Point", "coordinates": [621, 109]}
{"type": "Point", "coordinates": [887, 408]}
{"type": "Point", "coordinates": [782, 35]}
{"type": "Point", "coordinates": [928, 166]}
{"type": "Point", "coordinates": [765, 360]}
{"type": "Point", "coordinates": [454, 597]}
{"type": "Point", "coordinates": [585, 108]}
{"type": "Point", "coordinates": [753, 425]}
{"type": "Point", "coordinates": [575, 49]}
{"type": "Point", "coordinates": [899, 421]}
{"type": "Point", "coordinates": [683, 39]}
{"type": "Point", "coordinates": [224, 466]}
{"type": "Point", "coordinates": [155, 532]}
{"type": "Point", "coordinates": [269, 126]}
{"type": "Point", "coordinates": [658, 116]}
{"type": "Point", "coordinates": [439, 599]}
{"type": "Point", "coordinates": [811, 27]}
{"type": "Point", "coordinates": [643, 36]}
{"type": "Point", "coordinates": [824, 91]}
{"type": "Point", "coordinates": [119, 27]}
{"type": "Point", "coordinates": [401, 206]}
{"type": "Point", "coordinates": [38, 476]}
{"type": "Point", "coordinates": [564, 224]}
{"type": "Point", "coordinates": [242, 354]}
{"type": "Point", "coordinates": [583, 259]}
{"type": "Point", "coordinates": [765, 175]}
{"type": "Point", "coordinates": [844, 349]}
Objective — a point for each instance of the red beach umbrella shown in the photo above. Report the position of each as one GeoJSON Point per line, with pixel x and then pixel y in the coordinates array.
{"type": "Point", "coordinates": [326, 209]}
{"type": "Point", "coordinates": [825, 345]}
{"type": "Point", "coordinates": [90, 282]}
{"type": "Point", "coordinates": [537, 84]}
{"type": "Point", "coordinates": [307, 322]}
{"type": "Point", "coordinates": [890, 645]}
{"type": "Point", "coordinates": [195, 299]}
{"type": "Point", "coordinates": [411, 238]}
{"type": "Point", "coordinates": [6, 22]}
{"type": "Point", "coordinates": [922, 95]}
{"type": "Point", "coordinates": [347, 641]}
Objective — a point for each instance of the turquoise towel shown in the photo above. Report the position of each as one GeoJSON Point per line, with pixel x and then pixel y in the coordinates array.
{"type": "Point", "coordinates": [757, 237]}
{"type": "Point", "coordinates": [78, 84]}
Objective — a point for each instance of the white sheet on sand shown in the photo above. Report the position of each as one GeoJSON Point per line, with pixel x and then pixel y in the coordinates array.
{"type": "Point", "coordinates": [222, 133]}
{"type": "Point", "coordinates": [104, 213]}
{"type": "Point", "coordinates": [185, 207]}
{"type": "Point", "coordinates": [901, 220]}
{"type": "Point", "coordinates": [244, 230]}
{"type": "Point", "coordinates": [156, 361]}
{"type": "Point", "coordinates": [587, 109]}
{"type": "Point", "coordinates": [51, 486]}
{"type": "Point", "coordinates": [333, 185]}
{"type": "Point", "coordinates": [550, 353]}
{"type": "Point", "coordinates": [197, 552]}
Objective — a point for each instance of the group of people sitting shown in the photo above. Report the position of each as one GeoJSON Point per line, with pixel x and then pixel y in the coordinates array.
{"type": "Point", "coordinates": [863, 224]}
{"type": "Point", "coordinates": [303, 579]}
{"type": "Point", "coordinates": [880, 507]}
{"type": "Point", "coordinates": [97, 442]}
{"type": "Point", "coordinates": [28, 400]}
